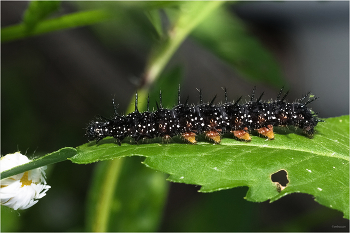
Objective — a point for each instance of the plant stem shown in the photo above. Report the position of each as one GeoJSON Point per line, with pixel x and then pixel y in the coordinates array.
{"type": "Point", "coordinates": [159, 58]}
{"type": "Point", "coordinates": [78, 19]}
{"type": "Point", "coordinates": [192, 15]}
{"type": "Point", "coordinates": [103, 208]}
{"type": "Point", "coordinates": [54, 157]}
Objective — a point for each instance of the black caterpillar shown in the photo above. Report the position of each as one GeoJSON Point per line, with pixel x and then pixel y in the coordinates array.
{"type": "Point", "coordinates": [209, 119]}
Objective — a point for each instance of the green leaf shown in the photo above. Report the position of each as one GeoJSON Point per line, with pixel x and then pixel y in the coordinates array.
{"type": "Point", "coordinates": [37, 11]}
{"type": "Point", "coordinates": [155, 19]}
{"type": "Point", "coordinates": [318, 166]}
{"type": "Point", "coordinates": [226, 36]}
{"type": "Point", "coordinates": [54, 157]}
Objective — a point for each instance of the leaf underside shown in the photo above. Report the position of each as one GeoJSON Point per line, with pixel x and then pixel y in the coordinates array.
{"type": "Point", "coordinates": [318, 166]}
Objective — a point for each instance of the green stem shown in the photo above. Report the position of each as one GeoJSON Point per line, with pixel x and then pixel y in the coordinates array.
{"type": "Point", "coordinates": [103, 207]}
{"type": "Point", "coordinates": [78, 19]}
{"type": "Point", "coordinates": [159, 58]}
{"type": "Point", "coordinates": [54, 157]}
{"type": "Point", "coordinates": [187, 21]}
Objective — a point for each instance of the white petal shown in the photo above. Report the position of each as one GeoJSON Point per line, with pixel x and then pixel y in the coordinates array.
{"type": "Point", "coordinates": [18, 195]}
{"type": "Point", "coordinates": [12, 160]}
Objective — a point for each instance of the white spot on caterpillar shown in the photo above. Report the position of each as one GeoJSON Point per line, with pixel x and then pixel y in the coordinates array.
{"type": "Point", "coordinates": [333, 167]}
{"type": "Point", "coordinates": [319, 189]}
{"type": "Point", "coordinates": [308, 170]}
{"type": "Point", "coordinates": [182, 177]}
{"type": "Point", "coordinates": [215, 168]}
{"type": "Point", "coordinates": [330, 206]}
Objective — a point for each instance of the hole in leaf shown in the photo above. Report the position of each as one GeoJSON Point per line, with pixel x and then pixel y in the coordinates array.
{"type": "Point", "coordinates": [280, 178]}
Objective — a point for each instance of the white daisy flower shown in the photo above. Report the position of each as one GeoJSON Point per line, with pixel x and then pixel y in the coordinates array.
{"type": "Point", "coordinates": [23, 190]}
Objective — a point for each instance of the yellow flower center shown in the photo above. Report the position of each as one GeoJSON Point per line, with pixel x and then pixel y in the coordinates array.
{"type": "Point", "coordinates": [24, 180]}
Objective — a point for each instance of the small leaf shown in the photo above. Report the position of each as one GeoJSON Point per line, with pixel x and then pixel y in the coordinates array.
{"type": "Point", "coordinates": [154, 17]}
{"type": "Point", "coordinates": [54, 157]}
{"type": "Point", "coordinates": [318, 166]}
{"type": "Point", "coordinates": [37, 11]}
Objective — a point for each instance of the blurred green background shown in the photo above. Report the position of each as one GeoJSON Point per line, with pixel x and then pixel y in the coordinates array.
{"type": "Point", "coordinates": [54, 84]}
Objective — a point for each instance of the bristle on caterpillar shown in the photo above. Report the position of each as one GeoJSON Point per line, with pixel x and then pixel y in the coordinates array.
{"type": "Point", "coordinates": [214, 121]}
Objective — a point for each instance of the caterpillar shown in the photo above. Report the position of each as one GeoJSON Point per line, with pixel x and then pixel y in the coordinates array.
{"type": "Point", "coordinates": [189, 120]}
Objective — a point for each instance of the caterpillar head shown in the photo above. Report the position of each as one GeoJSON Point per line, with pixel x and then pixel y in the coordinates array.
{"type": "Point", "coordinates": [98, 130]}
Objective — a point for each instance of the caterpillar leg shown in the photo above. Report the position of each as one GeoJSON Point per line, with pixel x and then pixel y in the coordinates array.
{"type": "Point", "coordinates": [190, 137]}
{"type": "Point", "coordinates": [213, 135]}
{"type": "Point", "coordinates": [267, 132]}
{"type": "Point", "coordinates": [242, 135]}
{"type": "Point", "coordinates": [166, 138]}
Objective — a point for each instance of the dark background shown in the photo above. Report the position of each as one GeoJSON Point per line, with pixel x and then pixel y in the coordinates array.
{"type": "Point", "coordinates": [54, 84]}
